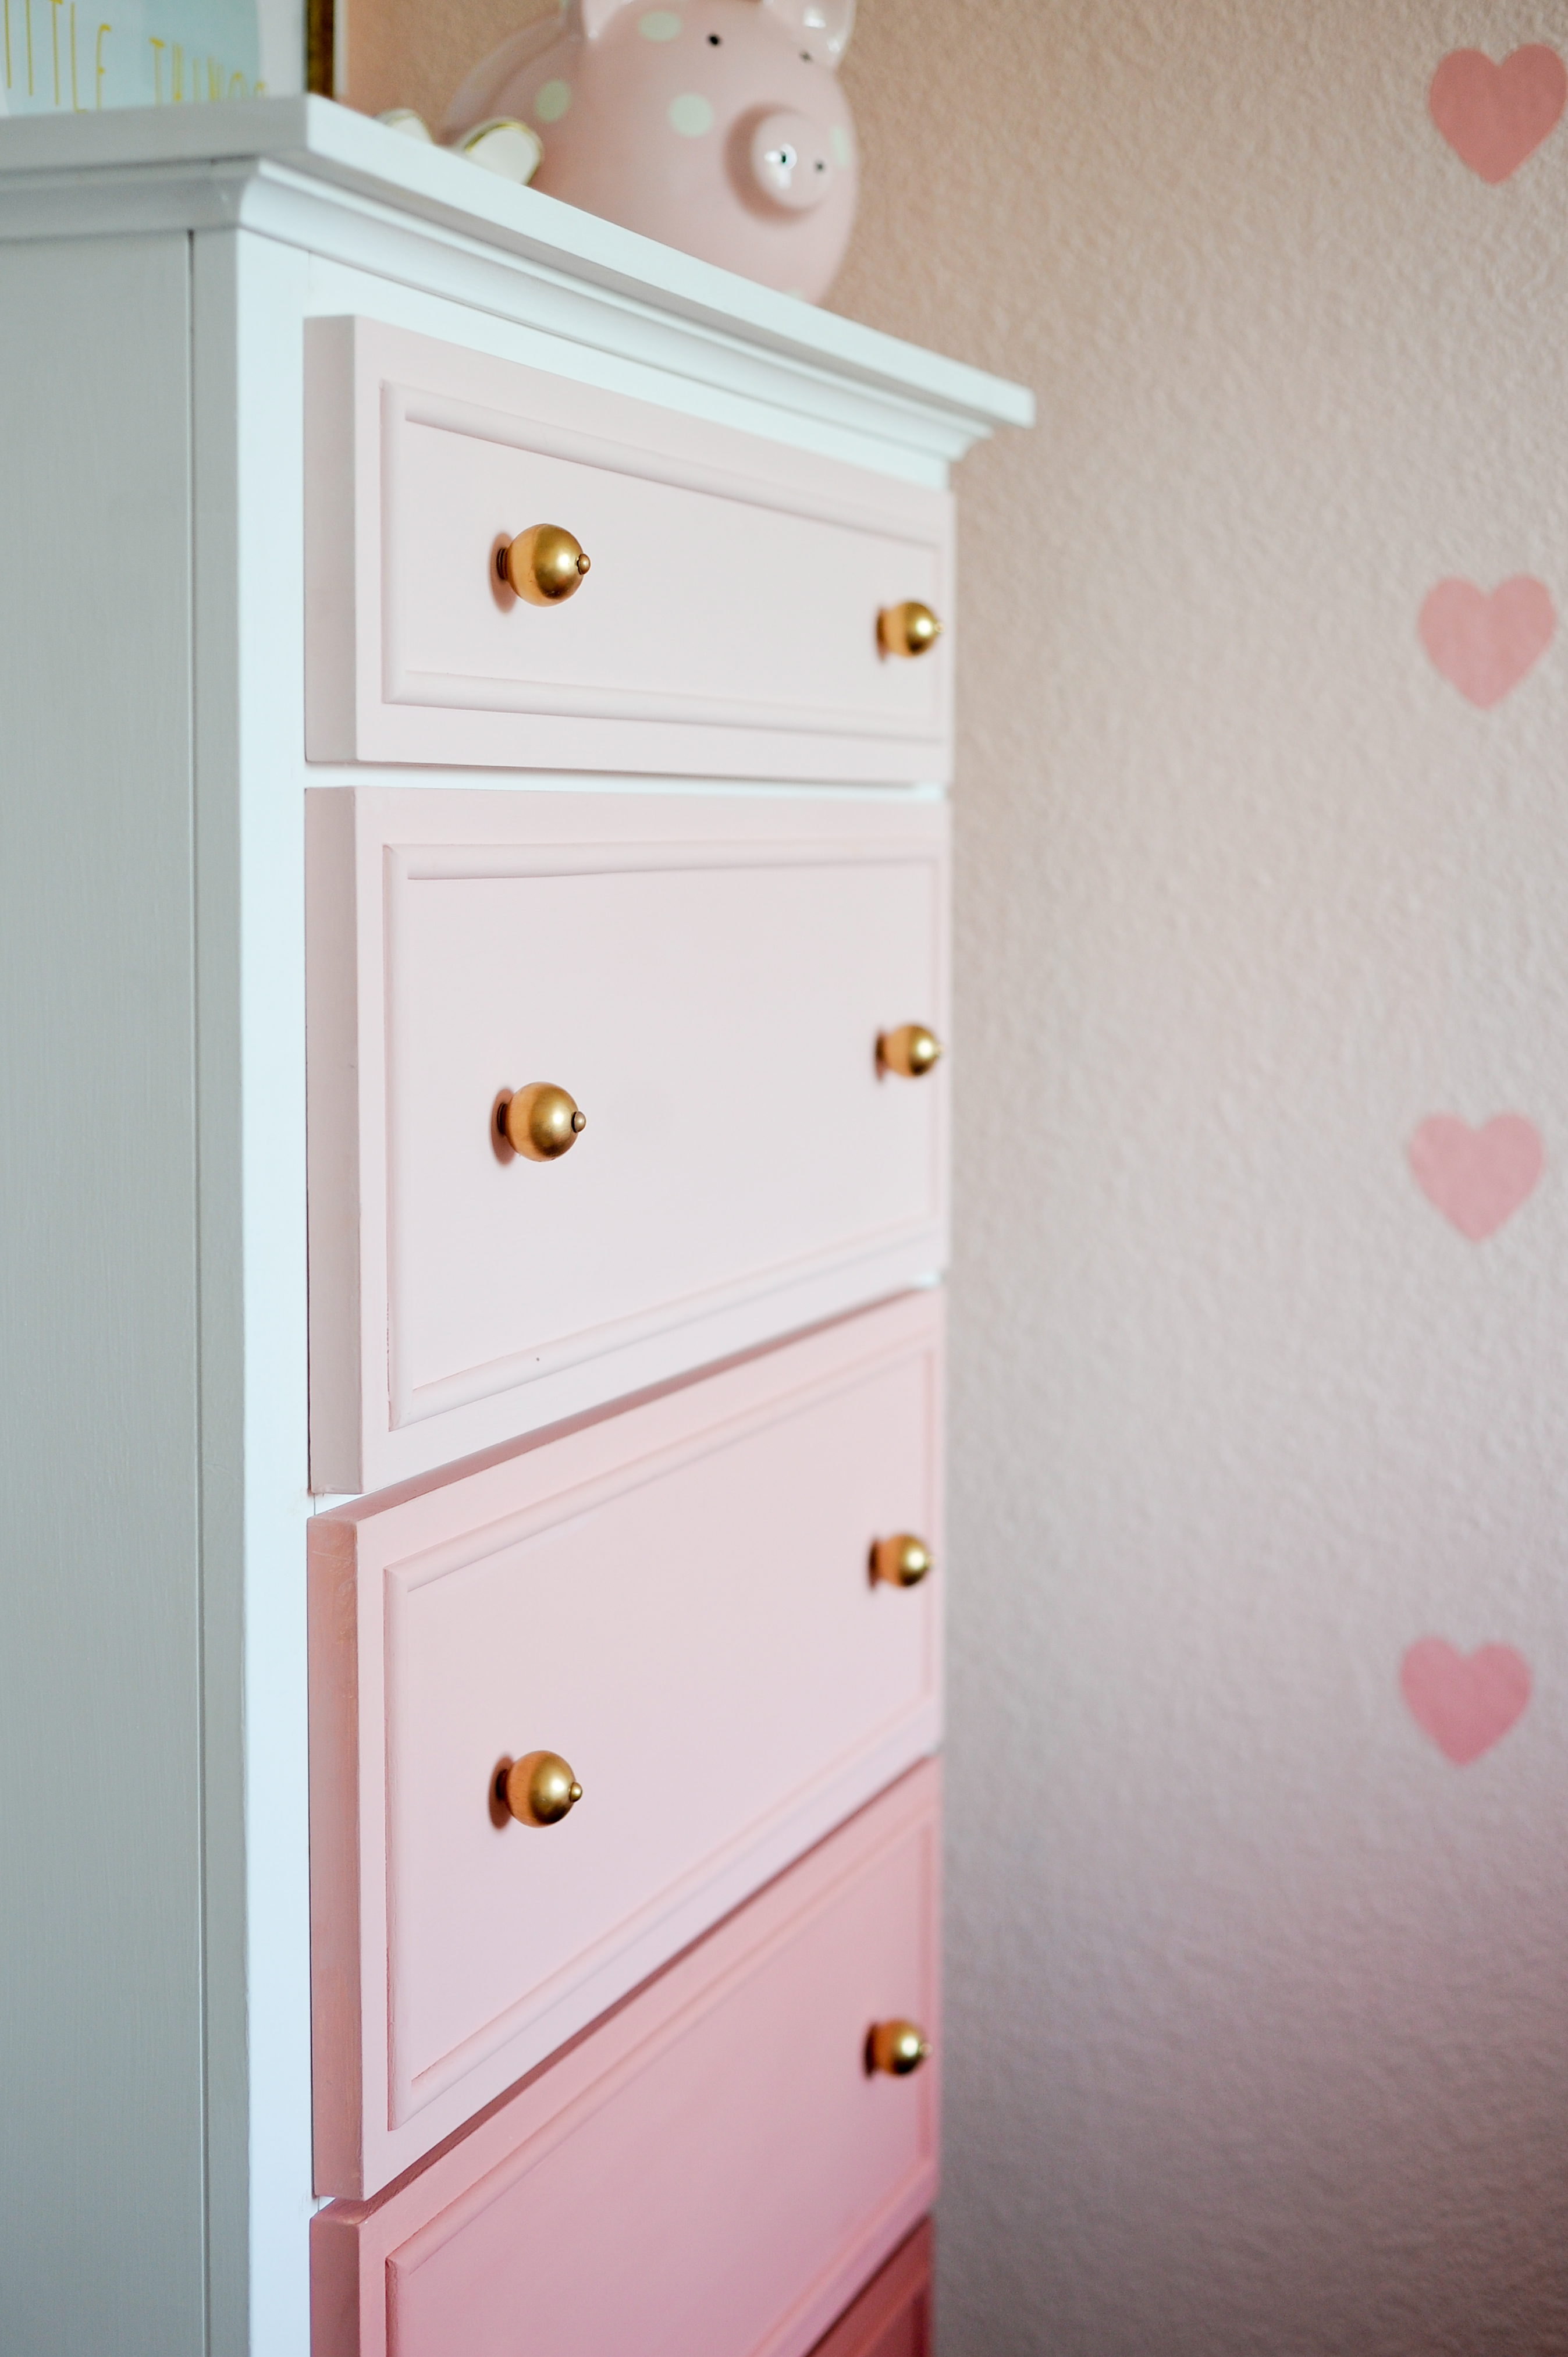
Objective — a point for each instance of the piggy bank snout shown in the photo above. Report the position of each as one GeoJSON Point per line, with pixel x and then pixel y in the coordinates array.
{"type": "Point", "coordinates": [790, 161]}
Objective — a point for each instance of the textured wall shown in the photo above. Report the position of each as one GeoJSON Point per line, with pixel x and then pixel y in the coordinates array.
{"type": "Point", "coordinates": [1258, 2020]}
{"type": "Point", "coordinates": [1258, 2035]}
{"type": "Point", "coordinates": [415, 52]}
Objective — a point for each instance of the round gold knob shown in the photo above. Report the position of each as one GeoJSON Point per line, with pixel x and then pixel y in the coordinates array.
{"type": "Point", "coordinates": [544, 564]}
{"type": "Point", "coordinates": [539, 1790]}
{"type": "Point", "coordinates": [902, 1561]}
{"type": "Point", "coordinates": [910, 1051]}
{"type": "Point", "coordinates": [896, 2047]}
{"type": "Point", "coordinates": [908, 630]}
{"type": "Point", "coordinates": [540, 1121]}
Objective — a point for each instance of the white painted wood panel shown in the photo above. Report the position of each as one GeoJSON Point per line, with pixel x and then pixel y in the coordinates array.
{"type": "Point", "coordinates": [100, 1932]}
{"type": "Point", "coordinates": [247, 355]}
{"type": "Point", "coordinates": [338, 186]}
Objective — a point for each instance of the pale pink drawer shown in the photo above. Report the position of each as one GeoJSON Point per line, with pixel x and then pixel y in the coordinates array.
{"type": "Point", "coordinates": [708, 978]}
{"type": "Point", "coordinates": [729, 623]}
{"type": "Point", "coordinates": [678, 1601]}
{"type": "Point", "coordinates": [713, 2172]}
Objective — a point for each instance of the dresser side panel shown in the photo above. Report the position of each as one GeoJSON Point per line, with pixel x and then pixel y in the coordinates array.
{"type": "Point", "coordinates": [100, 1956]}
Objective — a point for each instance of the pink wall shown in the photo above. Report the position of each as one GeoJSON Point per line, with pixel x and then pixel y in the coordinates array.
{"type": "Point", "coordinates": [1258, 2037]}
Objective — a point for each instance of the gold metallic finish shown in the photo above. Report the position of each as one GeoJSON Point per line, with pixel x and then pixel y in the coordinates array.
{"type": "Point", "coordinates": [320, 47]}
{"type": "Point", "coordinates": [910, 1051]}
{"type": "Point", "coordinates": [902, 1561]}
{"type": "Point", "coordinates": [908, 630]}
{"type": "Point", "coordinates": [896, 2047]}
{"type": "Point", "coordinates": [545, 564]}
{"type": "Point", "coordinates": [541, 1121]}
{"type": "Point", "coordinates": [539, 1790]}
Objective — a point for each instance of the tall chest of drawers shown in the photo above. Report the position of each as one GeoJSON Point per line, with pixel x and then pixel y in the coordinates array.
{"type": "Point", "coordinates": [478, 918]}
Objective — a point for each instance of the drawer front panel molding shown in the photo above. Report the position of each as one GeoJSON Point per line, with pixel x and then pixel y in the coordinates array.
{"type": "Point", "coordinates": [713, 2172]}
{"type": "Point", "coordinates": [706, 980]}
{"type": "Point", "coordinates": [728, 625]}
{"type": "Point", "coordinates": [678, 1602]}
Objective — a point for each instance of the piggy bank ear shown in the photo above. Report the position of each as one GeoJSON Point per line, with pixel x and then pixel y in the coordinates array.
{"type": "Point", "coordinates": [821, 27]}
{"type": "Point", "coordinates": [594, 15]}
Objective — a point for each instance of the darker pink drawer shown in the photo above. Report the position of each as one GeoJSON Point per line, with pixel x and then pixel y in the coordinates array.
{"type": "Point", "coordinates": [728, 627]}
{"type": "Point", "coordinates": [892, 2317]}
{"type": "Point", "coordinates": [677, 1601]}
{"type": "Point", "coordinates": [713, 2172]}
{"type": "Point", "coordinates": [707, 977]}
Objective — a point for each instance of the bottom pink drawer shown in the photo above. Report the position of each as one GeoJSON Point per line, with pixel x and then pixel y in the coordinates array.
{"type": "Point", "coordinates": [892, 2318]}
{"type": "Point", "coordinates": [713, 2172]}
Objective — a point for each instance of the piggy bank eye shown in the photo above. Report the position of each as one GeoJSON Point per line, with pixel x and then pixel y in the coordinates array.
{"type": "Point", "coordinates": [714, 41]}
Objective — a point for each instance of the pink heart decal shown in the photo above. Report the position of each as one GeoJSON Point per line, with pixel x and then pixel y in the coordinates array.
{"type": "Point", "coordinates": [1465, 1702]}
{"type": "Point", "coordinates": [1484, 646]}
{"type": "Point", "coordinates": [1477, 1178]}
{"type": "Point", "coordinates": [1493, 116]}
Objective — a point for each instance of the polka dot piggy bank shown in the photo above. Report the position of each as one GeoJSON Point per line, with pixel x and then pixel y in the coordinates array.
{"type": "Point", "coordinates": [718, 126]}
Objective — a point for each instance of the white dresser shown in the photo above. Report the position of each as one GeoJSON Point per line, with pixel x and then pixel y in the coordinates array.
{"type": "Point", "coordinates": [475, 1185]}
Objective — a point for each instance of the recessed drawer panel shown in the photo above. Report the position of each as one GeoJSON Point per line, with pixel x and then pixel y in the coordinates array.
{"type": "Point", "coordinates": [713, 2172]}
{"type": "Point", "coordinates": [729, 624]}
{"type": "Point", "coordinates": [707, 981]}
{"type": "Point", "coordinates": [680, 1603]}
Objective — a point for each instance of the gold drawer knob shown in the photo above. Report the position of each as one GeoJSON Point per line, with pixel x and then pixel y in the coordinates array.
{"type": "Point", "coordinates": [541, 1121]}
{"type": "Point", "coordinates": [910, 1051]}
{"type": "Point", "coordinates": [896, 2047]}
{"type": "Point", "coordinates": [539, 1790]}
{"type": "Point", "coordinates": [544, 564]}
{"type": "Point", "coordinates": [902, 1561]}
{"type": "Point", "coordinates": [908, 630]}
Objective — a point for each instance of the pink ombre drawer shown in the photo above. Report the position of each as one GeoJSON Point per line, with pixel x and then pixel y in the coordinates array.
{"type": "Point", "coordinates": [678, 1601]}
{"type": "Point", "coordinates": [713, 2172]}
{"type": "Point", "coordinates": [708, 978]}
{"type": "Point", "coordinates": [892, 2317]}
{"type": "Point", "coordinates": [728, 626]}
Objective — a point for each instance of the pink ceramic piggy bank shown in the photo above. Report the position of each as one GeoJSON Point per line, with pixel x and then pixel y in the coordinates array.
{"type": "Point", "coordinates": [718, 125]}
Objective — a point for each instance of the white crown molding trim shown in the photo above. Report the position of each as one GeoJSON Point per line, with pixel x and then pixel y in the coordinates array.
{"type": "Point", "coordinates": [313, 174]}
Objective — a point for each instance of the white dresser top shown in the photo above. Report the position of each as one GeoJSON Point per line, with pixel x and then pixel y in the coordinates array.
{"type": "Point", "coordinates": [318, 175]}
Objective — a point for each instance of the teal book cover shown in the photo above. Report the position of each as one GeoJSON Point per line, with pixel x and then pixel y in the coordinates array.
{"type": "Point", "coordinates": [79, 56]}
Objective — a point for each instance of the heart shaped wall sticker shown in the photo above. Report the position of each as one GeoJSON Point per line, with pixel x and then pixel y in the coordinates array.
{"type": "Point", "coordinates": [1493, 116]}
{"type": "Point", "coordinates": [1466, 1701]}
{"type": "Point", "coordinates": [1484, 642]}
{"type": "Point", "coordinates": [1477, 1178]}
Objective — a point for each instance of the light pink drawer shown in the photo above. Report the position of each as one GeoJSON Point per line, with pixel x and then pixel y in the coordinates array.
{"type": "Point", "coordinates": [729, 625]}
{"type": "Point", "coordinates": [676, 1601]}
{"type": "Point", "coordinates": [708, 978]}
{"type": "Point", "coordinates": [713, 2172]}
